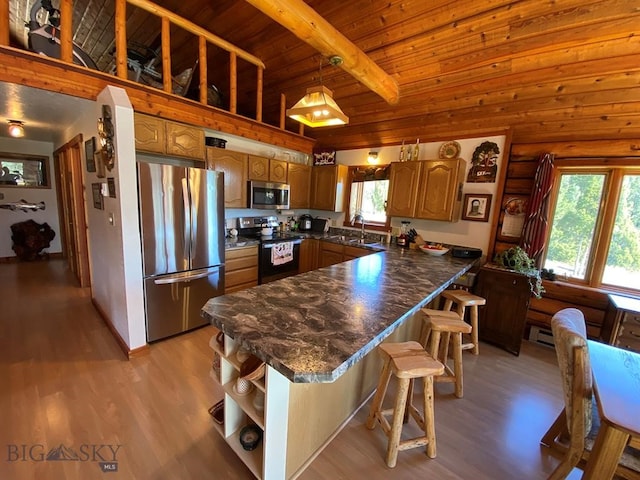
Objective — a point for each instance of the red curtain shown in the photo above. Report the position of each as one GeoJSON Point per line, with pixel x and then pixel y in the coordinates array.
{"type": "Point", "coordinates": [534, 231]}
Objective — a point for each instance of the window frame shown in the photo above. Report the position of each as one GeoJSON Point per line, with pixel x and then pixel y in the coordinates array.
{"type": "Point", "coordinates": [614, 171]}
{"type": "Point", "coordinates": [375, 226]}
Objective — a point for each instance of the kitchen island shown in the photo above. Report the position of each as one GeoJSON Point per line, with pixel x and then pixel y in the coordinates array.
{"type": "Point", "coordinates": [316, 332]}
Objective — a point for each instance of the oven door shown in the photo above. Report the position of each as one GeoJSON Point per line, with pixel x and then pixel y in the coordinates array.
{"type": "Point", "coordinates": [278, 260]}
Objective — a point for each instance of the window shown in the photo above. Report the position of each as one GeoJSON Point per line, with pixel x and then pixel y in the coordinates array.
{"type": "Point", "coordinates": [368, 192]}
{"type": "Point", "coordinates": [23, 170]}
{"type": "Point", "coordinates": [595, 230]}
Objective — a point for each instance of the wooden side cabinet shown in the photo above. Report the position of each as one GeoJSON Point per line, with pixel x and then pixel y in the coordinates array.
{"type": "Point", "coordinates": [328, 187]}
{"type": "Point", "coordinates": [330, 254]}
{"type": "Point", "coordinates": [300, 183]}
{"type": "Point", "coordinates": [234, 166]}
{"type": "Point", "coordinates": [502, 320]}
{"type": "Point", "coordinates": [403, 188]}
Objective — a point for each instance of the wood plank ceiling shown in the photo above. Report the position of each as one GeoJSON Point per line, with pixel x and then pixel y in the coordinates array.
{"type": "Point", "coordinates": [561, 70]}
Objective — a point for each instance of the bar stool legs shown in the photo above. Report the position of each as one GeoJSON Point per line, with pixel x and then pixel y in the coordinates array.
{"type": "Point", "coordinates": [440, 330]}
{"type": "Point", "coordinates": [407, 361]}
{"type": "Point", "coordinates": [464, 299]}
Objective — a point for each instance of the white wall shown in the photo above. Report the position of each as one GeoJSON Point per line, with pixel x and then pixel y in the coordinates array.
{"type": "Point", "coordinates": [462, 232]}
{"type": "Point", "coordinates": [114, 245]}
{"type": "Point", "coordinates": [13, 194]}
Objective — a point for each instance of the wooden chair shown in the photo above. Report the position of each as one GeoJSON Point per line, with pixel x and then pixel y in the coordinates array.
{"type": "Point", "coordinates": [572, 433]}
{"type": "Point", "coordinates": [407, 361]}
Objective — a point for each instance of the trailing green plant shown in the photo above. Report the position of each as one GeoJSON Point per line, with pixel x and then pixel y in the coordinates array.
{"type": "Point", "coordinates": [515, 258]}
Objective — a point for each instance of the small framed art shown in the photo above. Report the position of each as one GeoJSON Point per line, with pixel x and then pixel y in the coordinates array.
{"type": "Point", "coordinates": [99, 160]}
{"type": "Point", "coordinates": [476, 207]}
{"type": "Point", "coordinates": [111, 182]}
{"type": "Point", "coordinates": [89, 150]}
{"type": "Point", "coordinates": [96, 189]}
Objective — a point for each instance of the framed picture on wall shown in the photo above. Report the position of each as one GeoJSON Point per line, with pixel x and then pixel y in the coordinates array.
{"type": "Point", "coordinates": [96, 189]}
{"type": "Point", "coordinates": [99, 162]}
{"type": "Point", "coordinates": [476, 207]}
{"type": "Point", "coordinates": [89, 149]}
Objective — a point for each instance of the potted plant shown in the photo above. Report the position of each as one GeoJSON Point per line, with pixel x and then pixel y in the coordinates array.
{"type": "Point", "coordinates": [515, 258]}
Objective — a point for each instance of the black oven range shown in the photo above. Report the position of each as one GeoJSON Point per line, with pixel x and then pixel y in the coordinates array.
{"type": "Point", "coordinates": [278, 254]}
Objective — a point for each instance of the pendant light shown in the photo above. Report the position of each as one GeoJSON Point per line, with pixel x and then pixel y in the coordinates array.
{"type": "Point", "coordinates": [16, 128]}
{"type": "Point", "coordinates": [318, 108]}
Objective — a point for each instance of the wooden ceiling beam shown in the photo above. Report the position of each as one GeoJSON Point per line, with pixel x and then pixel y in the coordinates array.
{"type": "Point", "coordinates": [306, 24]}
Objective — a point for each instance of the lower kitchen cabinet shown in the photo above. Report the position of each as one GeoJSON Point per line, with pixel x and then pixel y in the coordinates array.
{"type": "Point", "coordinates": [330, 254]}
{"type": "Point", "coordinates": [241, 268]}
{"type": "Point", "coordinates": [502, 320]}
{"type": "Point", "coordinates": [308, 255]}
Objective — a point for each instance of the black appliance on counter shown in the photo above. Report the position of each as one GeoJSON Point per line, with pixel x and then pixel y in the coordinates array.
{"type": "Point", "coordinates": [465, 252]}
{"type": "Point", "coordinates": [305, 222]}
{"type": "Point", "coordinates": [278, 253]}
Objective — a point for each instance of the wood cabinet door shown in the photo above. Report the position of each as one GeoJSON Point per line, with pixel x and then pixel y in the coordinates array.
{"type": "Point", "coordinates": [330, 254]}
{"type": "Point", "coordinates": [502, 320]}
{"type": "Point", "coordinates": [185, 140]}
{"type": "Point", "coordinates": [440, 190]}
{"type": "Point", "coordinates": [234, 166]}
{"type": "Point", "coordinates": [328, 187]}
{"type": "Point", "coordinates": [355, 252]}
{"type": "Point", "coordinates": [149, 133]}
{"type": "Point", "coordinates": [278, 171]}
{"type": "Point", "coordinates": [403, 188]}
{"type": "Point", "coordinates": [300, 183]}
{"type": "Point", "coordinates": [241, 269]}
{"type": "Point", "coordinates": [258, 168]}
{"type": "Point", "coordinates": [309, 255]}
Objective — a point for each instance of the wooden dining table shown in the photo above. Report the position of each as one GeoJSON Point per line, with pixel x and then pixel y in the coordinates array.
{"type": "Point", "coordinates": [616, 379]}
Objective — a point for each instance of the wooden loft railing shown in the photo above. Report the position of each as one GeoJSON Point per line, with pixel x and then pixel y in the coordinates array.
{"type": "Point", "coordinates": [204, 37]}
{"type": "Point", "coordinates": [167, 18]}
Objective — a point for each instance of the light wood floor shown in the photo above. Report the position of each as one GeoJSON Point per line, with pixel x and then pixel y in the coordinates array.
{"type": "Point", "coordinates": [63, 380]}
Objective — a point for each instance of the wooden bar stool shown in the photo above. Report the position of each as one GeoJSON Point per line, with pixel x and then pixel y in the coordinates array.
{"type": "Point", "coordinates": [437, 323]}
{"type": "Point", "coordinates": [407, 361]}
{"type": "Point", "coordinates": [464, 299]}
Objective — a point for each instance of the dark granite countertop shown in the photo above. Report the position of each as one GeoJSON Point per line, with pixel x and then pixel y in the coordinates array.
{"type": "Point", "coordinates": [312, 327]}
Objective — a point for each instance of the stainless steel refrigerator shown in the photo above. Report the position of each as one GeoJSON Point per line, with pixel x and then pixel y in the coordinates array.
{"type": "Point", "coordinates": [182, 228]}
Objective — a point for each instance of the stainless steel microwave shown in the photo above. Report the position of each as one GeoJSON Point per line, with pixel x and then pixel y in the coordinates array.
{"type": "Point", "coordinates": [268, 196]}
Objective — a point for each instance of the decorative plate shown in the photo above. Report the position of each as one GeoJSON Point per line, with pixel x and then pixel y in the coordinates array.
{"type": "Point", "coordinates": [449, 150]}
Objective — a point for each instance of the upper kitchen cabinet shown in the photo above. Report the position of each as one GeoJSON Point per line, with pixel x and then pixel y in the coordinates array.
{"type": "Point", "coordinates": [267, 170]}
{"type": "Point", "coordinates": [156, 135]}
{"type": "Point", "coordinates": [328, 187]}
{"type": "Point", "coordinates": [403, 188]}
{"type": "Point", "coordinates": [234, 166]}
{"type": "Point", "coordinates": [300, 184]}
{"type": "Point", "coordinates": [440, 190]}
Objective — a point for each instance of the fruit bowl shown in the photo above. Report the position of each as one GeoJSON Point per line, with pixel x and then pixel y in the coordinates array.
{"type": "Point", "coordinates": [434, 250]}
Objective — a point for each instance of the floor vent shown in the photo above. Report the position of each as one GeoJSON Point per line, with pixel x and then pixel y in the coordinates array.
{"type": "Point", "coordinates": [541, 336]}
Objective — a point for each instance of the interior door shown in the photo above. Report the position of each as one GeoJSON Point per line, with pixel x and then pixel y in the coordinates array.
{"type": "Point", "coordinates": [71, 209]}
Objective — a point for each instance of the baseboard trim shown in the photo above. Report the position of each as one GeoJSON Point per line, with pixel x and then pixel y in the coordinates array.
{"type": "Point", "coordinates": [129, 353]}
{"type": "Point", "coordinates": [45, 256]}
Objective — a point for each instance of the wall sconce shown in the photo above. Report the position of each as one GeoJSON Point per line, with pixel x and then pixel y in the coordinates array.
{"type": "Point", "coordinates": [372, 158]}
{"type": "Point", "coordinates": [16, 128]}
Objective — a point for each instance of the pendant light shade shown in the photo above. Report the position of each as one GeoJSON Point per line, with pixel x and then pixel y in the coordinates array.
{"type": "Point", "coordinates": [318, 109]}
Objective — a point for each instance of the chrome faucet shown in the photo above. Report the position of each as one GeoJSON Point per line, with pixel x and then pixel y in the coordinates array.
{"type": "Point", "coordinates": [359, 217]}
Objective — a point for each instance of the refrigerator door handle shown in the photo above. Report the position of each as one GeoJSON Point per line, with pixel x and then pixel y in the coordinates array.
{"type": "Point", "coordinates": [183, 277]}
{"type": "Point", "coordinates": [187, 220]}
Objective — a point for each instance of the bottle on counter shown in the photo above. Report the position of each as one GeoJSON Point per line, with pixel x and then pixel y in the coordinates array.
{"type": "Point", "coordinates": [416, 151]}
{"type": "Point", "coordinates": [403, 154]}
{"type": "Point", "coordinates": [403, 238]}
